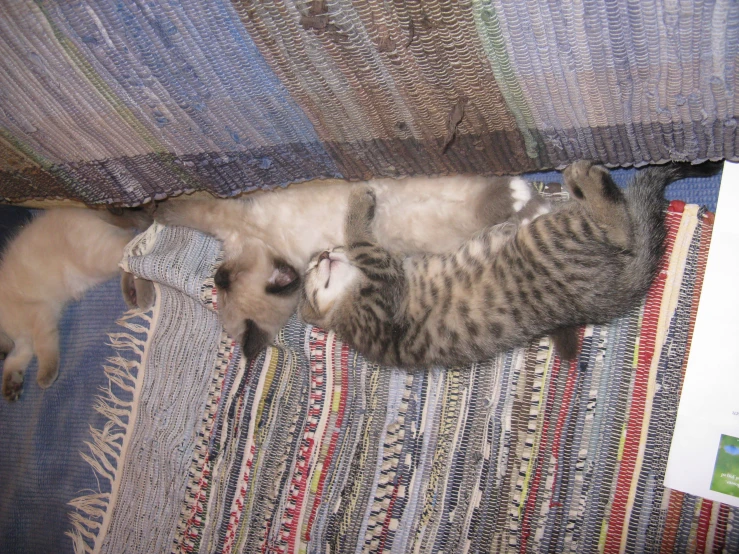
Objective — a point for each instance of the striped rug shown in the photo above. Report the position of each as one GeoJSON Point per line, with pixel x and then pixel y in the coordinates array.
{"type": "Point", "coordinates": [308, 448]}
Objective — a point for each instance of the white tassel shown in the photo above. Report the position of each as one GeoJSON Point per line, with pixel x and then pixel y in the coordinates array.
{"type": "Point", "coordinates": [106, 444]}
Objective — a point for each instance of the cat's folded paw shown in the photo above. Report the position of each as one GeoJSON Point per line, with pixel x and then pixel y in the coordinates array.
{"type": "Point", "coordinates": [584, 178]}
{"type": "Point", "coordinates": [362, 201]}
{"type": "Point", "coordinates": [145, 294]}
{"type": "Point", "coordinates": [137, 293]}
{"type": "Point", "coordinates": [12, 385]}
{"type": "Point", "coordinates": [577, 170]}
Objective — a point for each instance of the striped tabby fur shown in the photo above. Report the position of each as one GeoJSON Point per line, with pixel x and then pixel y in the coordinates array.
{"type": "Point", "coordinates": [589, 261]}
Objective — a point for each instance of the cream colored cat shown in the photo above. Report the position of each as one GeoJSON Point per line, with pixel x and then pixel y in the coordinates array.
{"type": "Point", "coordinates": [54, 259]}
{"type": "Point", "coordinates": [269, 237]}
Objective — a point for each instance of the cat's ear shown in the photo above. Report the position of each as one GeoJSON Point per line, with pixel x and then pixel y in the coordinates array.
{"type": "Point", "coordinates": [255, 339]}
{"type": "Point", "coordinates": [284, 279]}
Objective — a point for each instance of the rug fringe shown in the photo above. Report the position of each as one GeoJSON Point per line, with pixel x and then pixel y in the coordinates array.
{"type": "Point", "coordinates": [107, 443]}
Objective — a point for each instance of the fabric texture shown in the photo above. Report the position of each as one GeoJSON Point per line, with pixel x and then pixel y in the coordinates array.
{"type": "Point", "coordinates": [124, 102]}
{"type": "Point", "coordinates": [308, 448]}
{"type": "Point", "coordinates": [43, 434]}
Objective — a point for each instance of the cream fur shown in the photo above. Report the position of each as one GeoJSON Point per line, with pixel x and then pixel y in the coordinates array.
{"type": "Point", "coordinates": [413, 215]}
{"type": "Point", "coordinates": [54, 259]}
{"type": "Point", "coordinates": [418, 214]}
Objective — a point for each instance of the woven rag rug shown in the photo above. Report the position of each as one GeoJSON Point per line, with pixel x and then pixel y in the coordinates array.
{"type": "Point", "coordinates": [309, 448]}
{"type": "Point", "coordinates": [116, 101]}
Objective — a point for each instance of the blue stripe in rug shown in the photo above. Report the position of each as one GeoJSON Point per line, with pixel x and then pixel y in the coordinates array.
{"type": "Point", "coordinates": [702, 191]}
{"type": "Point", "coordinates": [42, 434]}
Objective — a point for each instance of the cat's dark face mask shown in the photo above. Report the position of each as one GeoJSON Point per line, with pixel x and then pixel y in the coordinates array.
{"type": "Point", "coordinates": [256, 294]}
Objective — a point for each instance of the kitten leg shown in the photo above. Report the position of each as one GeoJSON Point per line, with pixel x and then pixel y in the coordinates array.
{"type": "Point", "coordinates": [15, 367]}
{"type": "Point", "coordinates": [128, 288]}
{"type": "Point", "coordinates": [593, 187]}
{"type": "Point", "coordinates": [566, 341]}
{"type": "Point", "coordinates": [137, 293]}
{"type": "Point", "coordinates": [361, 212]}
{"type": "Point", "coordinates": [145, 294]}
{"type": "Point", "coordinates": [127, 218]}
{"type": "Point", "coordinates": [46, 346]}
{"type": "Point", "coordinates": [497, 236]}
{"type": "Point", "coordinates": [6, 344]}
{"type": "Point", "coordinates": [218, 218]}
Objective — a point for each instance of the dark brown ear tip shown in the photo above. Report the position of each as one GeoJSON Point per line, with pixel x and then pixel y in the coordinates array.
{"type": "Point", "coordinates": [255, 339]}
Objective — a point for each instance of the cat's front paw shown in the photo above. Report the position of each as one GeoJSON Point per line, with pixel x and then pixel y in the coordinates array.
{"type": "Point", "coordinates": [137, 293]}
{"type": "Point", "coordinates": [585, 177]}
{"type": "Point", "coordinates": [145, 293]}
{"type": "Point", "coordinates": [362, 202]}
{"type": "Point", "coordinates": [12, 385]}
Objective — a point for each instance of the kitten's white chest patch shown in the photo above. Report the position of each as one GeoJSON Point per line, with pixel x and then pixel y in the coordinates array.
{"type": "Point", "coordinates": [520, 192]}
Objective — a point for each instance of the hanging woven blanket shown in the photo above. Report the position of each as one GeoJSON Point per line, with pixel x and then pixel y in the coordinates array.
{"type": "Point", "coordinates": [109, 101]}
{"type": "Point", "coordinates": [309, 448]}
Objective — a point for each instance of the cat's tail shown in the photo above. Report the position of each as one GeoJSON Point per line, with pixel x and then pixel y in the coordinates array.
{"type": "Point", "coordinates": [646, 204]}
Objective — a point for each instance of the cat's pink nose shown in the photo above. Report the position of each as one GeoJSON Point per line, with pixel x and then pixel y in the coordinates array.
{"type": "Point", "coordinates": [323, 256]}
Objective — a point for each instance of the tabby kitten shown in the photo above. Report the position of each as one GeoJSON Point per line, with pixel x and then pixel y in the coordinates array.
{"type": "Point", "coordinates": [589, 261]}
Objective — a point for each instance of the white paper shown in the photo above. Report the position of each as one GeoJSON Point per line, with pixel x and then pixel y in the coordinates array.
{"type": "Point", "coordinates": [709, 404]}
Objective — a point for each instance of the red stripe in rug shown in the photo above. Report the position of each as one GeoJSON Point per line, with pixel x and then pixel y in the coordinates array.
{"type": "Point", "coordinates": [719, 537]}
{"type": "Point", "coordinates": [635, 417]}
{"type": "Point", "coordinates": [342, 374]}
{"type": "Point", "coordinates": [542, 454]}
{"type": "Point", "coordinates": [704, 522]}
{"type": "Point", "coordinates": [672, 522]}
{"type": "Point", "coordinates": [299, 481]}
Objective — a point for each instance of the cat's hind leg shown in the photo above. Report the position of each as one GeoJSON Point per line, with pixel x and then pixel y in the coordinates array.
{"type": "Point", "coordinates": [6, 344]}
{"type": "Point", "coordinates": [15, 367]}
{"type": "Point", "coordinates": [593, 187]}
{"type": "Point", "coordinates": [46, 347]}
{"type": "Point", "coordinates": [128, 218]}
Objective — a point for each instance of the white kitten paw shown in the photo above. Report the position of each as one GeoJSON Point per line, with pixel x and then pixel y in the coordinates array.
{"type": "Point", "coordinates": [520, 193]}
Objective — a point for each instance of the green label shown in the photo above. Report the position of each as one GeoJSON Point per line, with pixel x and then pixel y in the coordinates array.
{"type": "Point", "coordinates": [726, 471]}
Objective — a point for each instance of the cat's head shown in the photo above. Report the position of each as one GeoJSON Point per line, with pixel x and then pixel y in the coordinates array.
{"type": "Point", "coordinates": [257, 292]}
{"type": "Point", "coordinates": [330, 282]}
